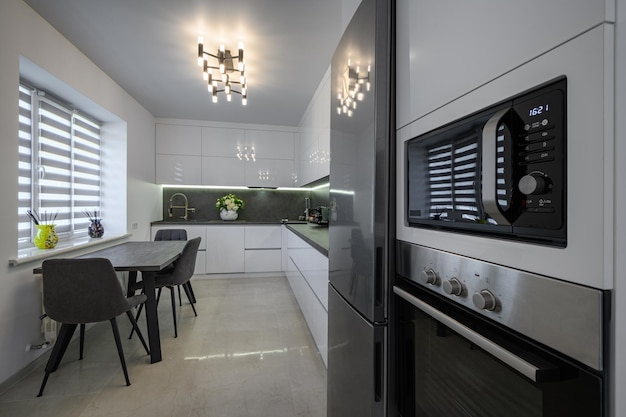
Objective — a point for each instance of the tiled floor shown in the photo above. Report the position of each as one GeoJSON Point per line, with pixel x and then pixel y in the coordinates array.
{"type": "Point", "coordinates": [247, 354]}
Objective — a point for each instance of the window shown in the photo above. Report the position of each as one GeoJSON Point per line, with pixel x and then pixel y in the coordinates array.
{"type": "Point", "coordinates": [59, 164]}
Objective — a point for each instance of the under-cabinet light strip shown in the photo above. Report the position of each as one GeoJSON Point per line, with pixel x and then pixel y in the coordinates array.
{"type": "Point", "coordinates": [240, 187]}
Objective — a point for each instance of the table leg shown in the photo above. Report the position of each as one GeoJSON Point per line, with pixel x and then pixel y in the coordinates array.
{"type": "Point", "coordinates": [154, 338]}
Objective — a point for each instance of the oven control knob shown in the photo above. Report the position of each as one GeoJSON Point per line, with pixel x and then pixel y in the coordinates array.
{"type": "Point", "coordinates": [484, 300]}
{"type": "Point", "coordinates": [532, 184]}
{"type": "Point", "coordinates": [430, 276]}
{"type": "Point", "coordinates": [452, 286]}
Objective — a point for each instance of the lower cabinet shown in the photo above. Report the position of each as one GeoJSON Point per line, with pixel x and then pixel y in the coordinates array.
{"type": "Point", "coordinates": [307, 273]}
{"type": "Point", "coordinates": [225, 249]}
{"type": "Point", "coordinates": [263, 248]}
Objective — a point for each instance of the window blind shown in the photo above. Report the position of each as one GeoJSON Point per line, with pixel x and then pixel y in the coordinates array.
{"type": "Point", "coordinates": [61, 170]}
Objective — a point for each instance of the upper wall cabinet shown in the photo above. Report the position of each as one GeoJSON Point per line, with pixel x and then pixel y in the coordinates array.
{"type": "Point", "coordinates": [447, 49]}
{"type": "Point", "coordinates": [313, 151]}
{"type": "Point", "coordinates": [203, 155]}
{"type": "Point", "coordinates": [178, 140]}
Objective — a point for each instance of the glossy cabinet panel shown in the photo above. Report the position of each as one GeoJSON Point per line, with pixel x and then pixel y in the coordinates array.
{"type": "Point", "coordinates": [178, 169]}
{"type": "Point", "coordinates": [222, 141]}
{"type": "Point", "coordinates": [225, 249]}
{"type": "Point", "coordinates": [222, 171]}
{"type": "Point", "coordinates": [178, 139]}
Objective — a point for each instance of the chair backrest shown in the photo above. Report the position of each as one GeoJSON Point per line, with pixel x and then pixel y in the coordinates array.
{"type": "Point", "coordinates": [171, 234]}
{"type": "Point", "coordinates": [82, 290]}
{"type": "Point", "coordinates": [185, 265]}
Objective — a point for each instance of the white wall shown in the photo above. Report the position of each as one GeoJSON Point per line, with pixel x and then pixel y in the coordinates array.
{"type": "Point", "coordinates": [24, 33]}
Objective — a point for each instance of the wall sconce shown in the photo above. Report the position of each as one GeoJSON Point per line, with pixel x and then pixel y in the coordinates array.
{"type": "Point", "coordinates": [227, 75]}
{"type": "Point", "coordinates": [247, 153]}
{"type": "Point", "coordinates": [352, 89]}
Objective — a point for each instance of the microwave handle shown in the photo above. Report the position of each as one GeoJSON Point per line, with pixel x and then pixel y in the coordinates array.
{"type": "Point", "coordinates": [489, 193]}
{"type": "Point", "coordinates": [522, 366]}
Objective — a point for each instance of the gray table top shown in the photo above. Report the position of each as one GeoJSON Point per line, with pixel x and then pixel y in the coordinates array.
{"type": "Point", "coordinates": [139, 256]}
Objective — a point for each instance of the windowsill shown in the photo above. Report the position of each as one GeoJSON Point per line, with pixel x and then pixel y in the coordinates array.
{"type": "Point", "coordinates": [35, 254]}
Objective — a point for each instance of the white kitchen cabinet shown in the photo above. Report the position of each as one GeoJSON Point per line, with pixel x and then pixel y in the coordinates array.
{"type": "Point", "coordinates": [178, 139]}
{"type": "Point", "coordinates": [313, 150]}
{"type": "Point", "coordinates": [269, 173]}
{"type": "Point", "coordinates": [263, 248]}
{"type": "Point", "coordinates": [222, 171]}
{"type": "Point", "coordinates": [217, 141]}
{"type": "Point", "coordinates": [178, 169]}
{"type": "Point", "coordinates": [307, 273]}
{"type": "Point", "coordinates": [271, 144]}
{"type": "Point", "coordinates": [192, 233]}
{"type": "Point", "coordinates": [225, 249]}
{"type": "Point", "coordinates": [436, 63]}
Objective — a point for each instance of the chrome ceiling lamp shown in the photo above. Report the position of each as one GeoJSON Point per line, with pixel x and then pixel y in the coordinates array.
{"type": "Point", "coordinates": [351, 90]}
{"type": "Point", "coordinates": [227, 75]}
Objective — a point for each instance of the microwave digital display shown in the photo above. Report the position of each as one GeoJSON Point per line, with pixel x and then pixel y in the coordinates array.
{"type": "Point", "coordinates": [500, 171]}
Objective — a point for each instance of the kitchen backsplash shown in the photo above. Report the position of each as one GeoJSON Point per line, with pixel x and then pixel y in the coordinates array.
{"type": "Point", "coordinates": [261, 205]}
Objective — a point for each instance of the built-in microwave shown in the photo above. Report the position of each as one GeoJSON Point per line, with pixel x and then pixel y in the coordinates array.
{"type": "Point", "coordinates": [500, 171]}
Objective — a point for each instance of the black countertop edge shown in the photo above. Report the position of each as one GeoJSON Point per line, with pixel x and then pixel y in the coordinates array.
{"type": "Point", "coordinates": [320, 248]}
{"type": "Point", "coordinates": [219, 222]}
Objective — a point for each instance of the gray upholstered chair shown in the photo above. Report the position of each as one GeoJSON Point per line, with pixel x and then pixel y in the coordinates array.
{"type": "Point", "coordinates": [176, 234]}
{"type": "Point", "coordinates": [79, 291]}
{"type": "Point", "coordinates": [176, 277]}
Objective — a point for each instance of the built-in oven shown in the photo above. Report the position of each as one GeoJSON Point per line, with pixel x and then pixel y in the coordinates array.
{"type": "Point", "coordinates": [473, 338]}
{"type": "Point", "coordinates": [500, 171]}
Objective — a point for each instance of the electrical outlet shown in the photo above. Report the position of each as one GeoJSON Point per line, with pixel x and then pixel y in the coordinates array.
{"type": "Point", "coordinates": [135, 225]}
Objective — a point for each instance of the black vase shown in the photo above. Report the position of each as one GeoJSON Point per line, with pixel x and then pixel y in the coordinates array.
{"type": "Point", "coordinates": [95, 229]}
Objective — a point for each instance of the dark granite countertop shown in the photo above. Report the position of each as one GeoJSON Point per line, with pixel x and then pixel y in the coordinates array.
{"type": "Point", "coordinates": [314, 235]}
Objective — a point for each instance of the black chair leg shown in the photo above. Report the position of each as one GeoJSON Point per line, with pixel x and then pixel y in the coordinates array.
{"type": "Point", "coordinates": [120, 351]}
{"type": "Point", "coordinates": [173, 296]}
{"type": "Point", "coordinates": [82, 341]}
{"type": "Point", "coordinates": [180, 299]}
{"type": "Point", "coordinates": [136, 328]}
{"type": "Point", "coordinates": [189, 297]}
{"type": "Point", "coordinates": [60, 346]}
{"type": "Point", "coordinates": [193, 295]}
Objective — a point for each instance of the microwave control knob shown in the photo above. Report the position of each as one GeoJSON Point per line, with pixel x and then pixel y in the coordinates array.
{"type": "Point", "coordinates": [484, 300]}
{"type": "Point", "coordinates": [532, 184]}
{"type": "Point", "coordinates": [452, 286]}
{"type": "Point", "coordinates": [430, 276]}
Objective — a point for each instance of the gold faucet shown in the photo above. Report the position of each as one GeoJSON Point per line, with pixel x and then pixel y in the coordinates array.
{"type": "Point", "coordinates": [185, 207]}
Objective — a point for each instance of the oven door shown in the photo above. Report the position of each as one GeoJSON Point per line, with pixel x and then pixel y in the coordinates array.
{"type": "Point", "coordinates": [451, 362]}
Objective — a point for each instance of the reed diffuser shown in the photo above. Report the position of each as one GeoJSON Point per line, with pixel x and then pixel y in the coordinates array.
{"type": "Point", "coordinates": [95, 230]}
{"type": "Point", "coordinates": [46, 237]}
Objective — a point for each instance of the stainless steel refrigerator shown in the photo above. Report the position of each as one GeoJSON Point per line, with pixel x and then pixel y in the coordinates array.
{"type": "Point", "coordinates": [361, 224]}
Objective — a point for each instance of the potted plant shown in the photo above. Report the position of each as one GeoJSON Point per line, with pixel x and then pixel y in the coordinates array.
{"type": "Point", "coordinates": [229, 206]}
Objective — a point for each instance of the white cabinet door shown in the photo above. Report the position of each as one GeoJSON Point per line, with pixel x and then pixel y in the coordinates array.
{"type": "Point", "coordinates": [263, 237]}
{"type": "Point", "coordinates": [262, 260]}
{"type": "Point", "coordinates": [225, 249]}
{"type": "Point", "coordinates": [271, 143]}
{"type": "Point", "coordinates": [446, 50]}
{"type": "Point", "coordinates": [222, 171]}
{"type": "Point", "coordinates": [269, 173]}
{"type": "Point", "coordinates": [178, 169]}
{"type": "Point", "coordinates": [178, 139]}
{"type": "Point", "coordinates": [217, 141]}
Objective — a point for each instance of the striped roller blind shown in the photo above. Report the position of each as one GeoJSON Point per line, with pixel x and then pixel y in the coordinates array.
{"type": "Point", "coordinates": [60, 165]}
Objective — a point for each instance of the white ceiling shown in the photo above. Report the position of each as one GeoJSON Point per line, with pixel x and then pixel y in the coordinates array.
{"type": "Point", "coordinates": [149, 47]}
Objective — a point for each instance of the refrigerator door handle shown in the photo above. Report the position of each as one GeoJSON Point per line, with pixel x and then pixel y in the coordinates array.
{"type": "Point", "coordinates": [379, 278]}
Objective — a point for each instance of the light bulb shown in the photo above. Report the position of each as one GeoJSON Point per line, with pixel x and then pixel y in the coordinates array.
{"type": "Point", "coordinates": [228, 97]}
{"type": "Point", "coordinates": [200, 50]}
{"type": "Point", "coordinates": [214, 99]}
{"type": "Point", "coordinates": [222, 49]}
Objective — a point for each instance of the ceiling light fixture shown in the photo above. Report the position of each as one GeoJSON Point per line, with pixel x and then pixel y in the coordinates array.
{"type": "Point", "coordinates": [227, 75]}
{"type": "Point", "coordinates": [351, 89]}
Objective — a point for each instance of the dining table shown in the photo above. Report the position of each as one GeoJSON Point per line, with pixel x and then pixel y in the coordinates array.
{"type": "Point", "coordinates": [147, 257]}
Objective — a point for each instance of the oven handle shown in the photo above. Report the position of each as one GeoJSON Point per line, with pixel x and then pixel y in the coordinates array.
{"type": "Point", "coordinates": [489, 193]}
{"type": "Point", "coordinates": [522, 366]}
